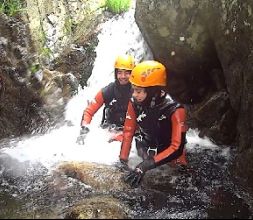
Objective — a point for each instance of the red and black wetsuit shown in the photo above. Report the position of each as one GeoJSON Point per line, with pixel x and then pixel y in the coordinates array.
{"type": "Point", "coordinates": [161, 129]}
{"type": "Point", "coordinates": [115, 97]}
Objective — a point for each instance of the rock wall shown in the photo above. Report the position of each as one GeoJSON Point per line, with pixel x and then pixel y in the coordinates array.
{"type": "Point", "coordinates": [37, 48]}
{"type": "Point", "coordinates": [59, 23]}
{"type": "Point", "coordinates": [20, 104]}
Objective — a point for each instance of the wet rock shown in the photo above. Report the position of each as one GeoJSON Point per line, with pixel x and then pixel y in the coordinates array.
{"type": "Point", "coordinates": [28, 105]}
{"type": "Point", "coordinates": [99, 177]}
{"type": "Point", "coordinates": [78, 59]}
{"type": "Point", "coordinates": [20, 105]}
{"type": "Point", "coordinates": [54, 25]}
{"type": "Point", "coordinates": [56, 90]}
{"type": "Point", "coordinates": [99, 207]}
{"type": "Point", "coordinates": [226, 205]}
{"type": "Point", "coordinates": [2, 87]}
{"type": "Point", "coordinates": [214, 118]}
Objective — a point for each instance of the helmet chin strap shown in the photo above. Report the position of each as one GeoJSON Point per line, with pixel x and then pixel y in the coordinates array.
{"type": "Point", "coordinates": [152, 94]}
{"type": "Point", "coordinates": [155, 98]}
{"type": "Point", "coordinates": [153, 101]}
{"type": "Point", "coordinates": [149, 101]}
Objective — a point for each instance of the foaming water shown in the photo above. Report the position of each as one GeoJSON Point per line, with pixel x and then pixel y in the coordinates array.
{"type": "Point", "coordinates": [196, 143]}
{"type": "Point", "coordinates": [60, 145]}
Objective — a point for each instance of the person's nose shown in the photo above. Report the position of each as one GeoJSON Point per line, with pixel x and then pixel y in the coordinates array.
{"type": "Point", "coordinates": [125, 76]}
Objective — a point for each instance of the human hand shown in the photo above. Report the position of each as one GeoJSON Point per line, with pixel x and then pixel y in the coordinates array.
{"type": "Point", "coordinates": [146, 165]}
{"type": "Point", "coordinates": [122, 165]}
{"type": "Point", "coordinates": [134, 177]}
{"type": "Point", "coordinates": [116, 137]}
{"type": "Point", "coordinates": [83, 133]}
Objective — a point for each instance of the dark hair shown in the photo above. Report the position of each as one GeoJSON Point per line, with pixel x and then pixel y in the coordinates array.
{"type": "Point", "coordinates": [154, 95]}
{"type": "Point", "coordinates": [115, 73]}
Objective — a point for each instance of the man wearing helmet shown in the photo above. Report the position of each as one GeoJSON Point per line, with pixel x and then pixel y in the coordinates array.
{"type": "Point", "coordinates": [156, 121]}
{"type": "Point", "coordinates": [114, 97]}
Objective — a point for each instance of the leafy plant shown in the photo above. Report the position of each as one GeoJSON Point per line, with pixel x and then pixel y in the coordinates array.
{"type": "Point", "coordinates": [10, 7]}
{"type": "Point", "coordinates": [117, 6]}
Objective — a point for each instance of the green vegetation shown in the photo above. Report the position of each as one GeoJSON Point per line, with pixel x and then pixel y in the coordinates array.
{"type": "Point", "coordinates": [10, 7]}
{"type": "Point", "coordinates": [43, 36]}
{"type": "Point", "coordinates": [46, 52]}
{"type": "Point", "coordinates": [117, 6]}
{"type": "Point", "coordinates": [69, 26]}
{"type": "Point", "coordinates": [34, 68]}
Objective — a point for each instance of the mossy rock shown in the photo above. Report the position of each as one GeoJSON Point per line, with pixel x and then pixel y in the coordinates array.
{"type": "Point", "coordinates": [100, 207]}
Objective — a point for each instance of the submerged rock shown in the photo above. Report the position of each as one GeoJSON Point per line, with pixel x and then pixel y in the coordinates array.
{"type": "Point", "coordinates": [99, 207]}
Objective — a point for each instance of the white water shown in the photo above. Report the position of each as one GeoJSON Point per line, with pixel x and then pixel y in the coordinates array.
{"type": "Point", "coordinates": [119, 35]}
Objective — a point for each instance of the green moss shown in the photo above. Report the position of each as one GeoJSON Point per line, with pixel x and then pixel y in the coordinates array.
{"type": "Point", "coordinates": [46, 52]}
{"type": "Point", "coordinates": [34, 68]}
{"type": "Point", "coordinates": [117, 6]}
{"type": "Point", "coordinates": [43, 37]}
{"type": "Point", "coordinates": [11, 7]}
{"type": "Point", "coordinates": [69, 26]}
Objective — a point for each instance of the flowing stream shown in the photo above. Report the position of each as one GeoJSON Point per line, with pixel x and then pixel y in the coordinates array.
{"type": "Point", "coordinates": [28, 188]}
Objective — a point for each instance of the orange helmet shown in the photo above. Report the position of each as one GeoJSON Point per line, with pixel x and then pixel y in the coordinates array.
{"type": "Point", "coordinates": [125, 62]}
{"type": "Point", "coordinates": [148, 73]}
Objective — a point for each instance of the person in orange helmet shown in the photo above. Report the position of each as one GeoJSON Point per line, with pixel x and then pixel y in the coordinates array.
{"type": "Point", "coordinates": [157, 122]}
{"type": "Point", "coordinates": [114, 97]}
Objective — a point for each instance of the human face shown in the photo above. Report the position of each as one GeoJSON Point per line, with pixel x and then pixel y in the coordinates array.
{"type": "Point", "coordinates": [139, 93]}
{"type": "Point", "coordinates": [123, 76]}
